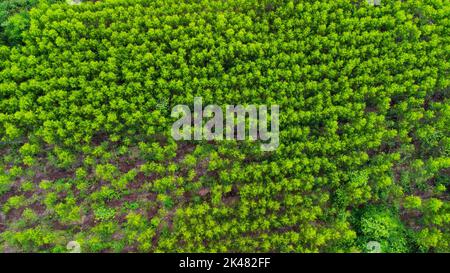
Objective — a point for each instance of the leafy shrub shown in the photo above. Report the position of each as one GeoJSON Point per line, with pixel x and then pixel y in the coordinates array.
{"type": "Point", "coordinates": [381, 225]}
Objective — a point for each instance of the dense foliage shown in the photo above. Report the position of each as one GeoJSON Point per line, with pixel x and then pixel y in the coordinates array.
{"type": "Point", "coordinates": [364, 129]}
{"type": "Point", "coordinates": [14, 18]}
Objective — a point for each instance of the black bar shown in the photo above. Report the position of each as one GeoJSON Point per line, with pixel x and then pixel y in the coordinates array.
{"type": "Point", "coordinates": [195, 262]}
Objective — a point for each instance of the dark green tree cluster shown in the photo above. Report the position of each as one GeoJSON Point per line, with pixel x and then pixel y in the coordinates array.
{"type": "Point", "coordinates": [14, 18]}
